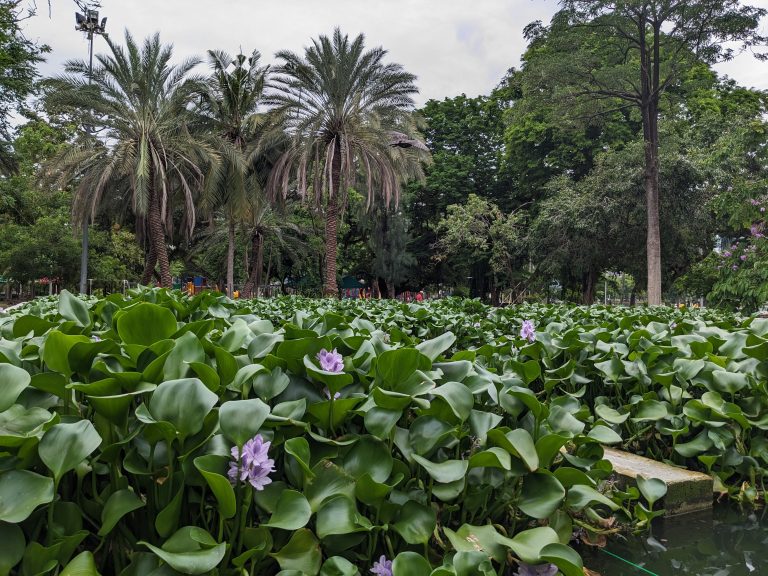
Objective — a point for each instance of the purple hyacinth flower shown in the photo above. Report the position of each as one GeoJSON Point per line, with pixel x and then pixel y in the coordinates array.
{"type": "Point", "coordinates": [754, 202]}
{"type": "Point", "coordinates": [383, 567]}
{"type": "Point", "coordinates": [528, 331]}
{"type": "Point", "coordinates": [330, 361]}
{"type": "Point", "coordinates": [539, 570]}
{"type": "Point", "coordinates": [328, 394]}
{"type": "Point", "coordinates": [743, 257]}
{"type": "Point", "coordinates": [735, 267]}
{"type": "Point", "coordinates": [95, 338]}
{"type": "Point", "coordinates": [727, 254]}
{"type": "Point", "coordinates": [252, 463]}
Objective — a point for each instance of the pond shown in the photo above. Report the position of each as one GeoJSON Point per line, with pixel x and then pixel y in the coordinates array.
{"type": "Point", "coordinates": [724, 542]}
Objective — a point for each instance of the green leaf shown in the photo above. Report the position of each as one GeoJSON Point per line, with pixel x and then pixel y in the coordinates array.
{"type": "Point", "coordinates": [652, 489]}
{"type": "Point", "coordinates": [12, 550]}
{"type": "Point", "coordinates": [21, 491]}
{"type": "Point", "coordinates": [445, 472]}
{"type": "Point", "coordinates": [187, 349]}
{"type": "Point", "coordinates": [299, 448]}
{"type": "Point", "coordinates": [410, 564]}
{"type": "Point", "coordinates": [581, 495]}
{"type": "Point", "coordinates": [338, 515]}
{"type": "Point", "coordinates": [416, 523]}
{"type": "Point", "coordinates": [118, 505]}
{"type": "Point", "coordinates": [146, 324]}
{"type": "Point", "coordinates": [184, 403]}
{"type": "Point", "coordinates": [72, 308]}
{"type": "Point", "coordinates": [610, 415]}
{"type": "Point", "coordinates": [56, 351]}
{"type": "Point", "coordinates": [302, 553]}
{"type": "Point", "coordinates": [329, 481]}
{"type": "Point", "coordinates": [81, 565]}
{"type": "Point", "coordinates": [729, 382]}
{"type": "Point", "coordinates": [13, 381]}
{"type": "Point", "coordinates": [338, 566]}
{"type": "Point", "coordinates": [66, 445]}
{"type": "Point", "coordinates": [241, 420]}
{"type": "Point", "coordinates": [541, 494]}
{"type": "Point", "coordinates": [492, 458]}
{"type": "Point", "coordinates": [433, 348]}
{"type": "Point", "coordinates": [292, 511]}
{"type": "Point", "coordinates": [191, 550]}
{"type": "Point", "coordinates": [604, 435]}
{"type": "Point", "coordinates": [214, 469]}
{"type": "Point", "coordinates": [519, 443]}
{"type": "Point", "coordinates": [528, 544]}
{"type": "Point", "coordinates": [457, 398]}
{"type": "Point", "coordinates": [395, 367]}
{"type": "Point", "coordinates": [564, 557]}
{"type": "Point", "coordinates": [369, 455]}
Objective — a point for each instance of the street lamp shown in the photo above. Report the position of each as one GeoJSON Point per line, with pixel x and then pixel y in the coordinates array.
{"type": "Point", "coordinates": [88, 23]}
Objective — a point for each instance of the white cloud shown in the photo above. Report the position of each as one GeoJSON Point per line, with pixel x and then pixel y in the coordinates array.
{"type": "Point", "coordinates": [453, 46]}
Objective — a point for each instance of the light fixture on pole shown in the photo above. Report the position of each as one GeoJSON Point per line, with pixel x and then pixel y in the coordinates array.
{"type": "Point", "coordinates": [88, 23]}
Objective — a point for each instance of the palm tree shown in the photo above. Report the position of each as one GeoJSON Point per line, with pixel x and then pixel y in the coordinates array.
{"type": "Point", "coordinates": [140, 105]}
{"type": "Point", "coordinates": [345, 112]}
{"type": "Point", "coordinates": [229, 111]}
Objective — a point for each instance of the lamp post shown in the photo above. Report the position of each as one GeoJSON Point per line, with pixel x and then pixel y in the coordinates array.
{"type": "Point", "coordinates": [88, 23]}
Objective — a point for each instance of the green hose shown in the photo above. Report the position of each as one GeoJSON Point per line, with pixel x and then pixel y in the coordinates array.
{"type": "Point", "coordinates": [628, 562]}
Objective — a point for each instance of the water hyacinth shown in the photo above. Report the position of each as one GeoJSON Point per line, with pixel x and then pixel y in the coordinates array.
{"type": "Point", "coordinates": [330, 361]}
{"type": "Point", "coordinates": [539, 570]}
{"type": "Point", "coordinates": [382, 567]}
{"type": "Point", "coordinates": [528, 331]}
{"type": "Point", "coordinates": [328, 394]}
{"type": "Point", "coordinates": [253, 463]}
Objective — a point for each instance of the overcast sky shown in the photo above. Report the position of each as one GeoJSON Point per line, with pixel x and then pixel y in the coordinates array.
{"type": "Point", "coordinates": [453, 46]}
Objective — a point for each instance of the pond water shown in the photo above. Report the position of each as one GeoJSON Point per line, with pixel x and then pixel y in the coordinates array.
{"type": "Point", "coordinates": [724, 542]}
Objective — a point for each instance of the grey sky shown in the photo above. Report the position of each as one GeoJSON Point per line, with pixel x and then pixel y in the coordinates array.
{"type": "Point", "coordinates": [453, 46]}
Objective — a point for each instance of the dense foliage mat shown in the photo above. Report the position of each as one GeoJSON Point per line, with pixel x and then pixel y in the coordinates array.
{"type": "Point", "coordinates": [161, 434]}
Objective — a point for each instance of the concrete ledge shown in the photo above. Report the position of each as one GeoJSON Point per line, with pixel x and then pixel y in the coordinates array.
{"type": "Point", "coordinates": [687, 491]}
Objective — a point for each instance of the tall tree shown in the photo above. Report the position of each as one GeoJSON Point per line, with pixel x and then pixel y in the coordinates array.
{"type": "Point", "coordinates": [230, 104]}
{"type": "Point", "coordinates": [645, 47]}
{"type": "Point", "coordinates": [345, 111]}
{"type": "Point", "coordinates": [140, 103]}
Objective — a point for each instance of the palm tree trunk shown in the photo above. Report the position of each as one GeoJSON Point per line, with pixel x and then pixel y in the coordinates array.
{"type": "Point", "coordinates": [150, 262]}
{"type": "Point", "coordinates": [231, 258]}
{"type": "Point", "coordinates": [257, 258]}
{"type": "Point", "coordinates": [330, 287]}
{"type": "Point", "coordinates": [157, 235]}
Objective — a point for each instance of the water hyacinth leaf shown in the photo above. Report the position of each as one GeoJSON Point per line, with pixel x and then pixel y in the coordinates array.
{"type": "Point", "coordinates": [729, 382]}
{"type": "Point", "coordinates": [263, 344]}
{"type": "Point", "coordinates": [650, 410]}
{"type": "Point", "coordinates": [541, 494]}
{"type": "Point", "coordinates": [73, 308]}
{"type": "Point", "coordinates": [65, 445]}
{"type": "Point", "coordinates": [395, 367]}
{"type": "Point", "coordinates": [370, 492]}
{"type": "Point", "coordinates": [338, 515]}
{"type": "Point", "coordinates": [12, 550]}
{"type": "Point", "coordinates": [416, 523]}
{"type": "Point", "coordinates": [191, 550]}
{"type": "Point", "coordinates": [17, 424]}
{"type": "Point", "coordinates": [480, 423]}
{"type": "Point", "coordinates": [302, 553]}
{"type": "Point", "coordinates": [613, 368]}
{"type": "Point", "coordinates": [299, 448]}
{"type": "Point", "coordinates": [214, 469]}
{"type": "Point", "coordinates": [427, 432]}
{"type": "Point", "coordinates": [581, 495]}
{"type": "Point", "coordinates": [468, 563]}
{"type": "Point", "coordinates": [445, 472]}
{"type": "Point", "coordinates": [450, 491]}
{"type": "Point", "coordinates": [338, 566]}
{"type": "Point", "coordinates": [564, 557]}
{"type": "Point", "coordinates": [604, 435]}
{"type": "Point", "coordinates": [13, 381]}
{"type": "Point", "coordinates": [380, 421]}
{"type": "Point", "coordinates": [652, 489]}
{"type": "Point", "coordinates": [242, 380]}
{"type": "Point", "coordinates": [433, 348]}
{"type": "Point", "coordinates": [292, 511]}
{"type": "Point", "coordinates": [410, 564]}
{"type": "Point", "coordinates": [334, 381]}
{"type": "Point", "coordinates": [146, 324]}
{"type": "Point", "coordinates": [329, 481]}
{"type": "Point", "coordinates": [528, 544]}
{"type": "Point", "coordinates": [698, 445]}
{"type": "Point", "coordinates": [50, 382]}
{"type": "Point", "coordinates": [26, 324]}
{"type": "Point", "coordinates": [241, 420]}
{"type": "Point", "coordinates": [369, 455]}
{"type": "Point", "coordinates": [484, 538]}
{"type": "Point", "coordinates": [207, 375]}
{"type": "Point", "coordinates": [187, 349]}
{"type": "Point", "coordinates": [610, 415]}
{"type": "Point", "coordinates": [119, 504]}
{"type": "Point", "coordinates": [331, 413]}
{"type": "Point", "coordinates": [56, 350]}
{"type": "Point", "coordinates": [562, 420]}
{"type": "Point", "coordinates": [183, 403]}
{"type": "Point", "coordinates": [21, 491]}
{"type": "Point", "coordinates": [519, 443]}
{"type": "Point", "coordinates": [548, 446]}
{"type": "Point", "coordinates": [457, 398]}
{"type": "Point", "coordinates": [492, 458]}
{"type": "Point", "coordinates": [81, 565]}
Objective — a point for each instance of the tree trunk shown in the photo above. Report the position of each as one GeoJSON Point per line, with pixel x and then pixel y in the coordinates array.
{"type": "Point", "coordinates": [269, 271]}
{"type": "Point", "coordinates": [376, 289]}
{"type": "Point", "coordinates": [257, 260]}
{"type": "Point", "coordinates": [649, 107]}
{"type": "Point", "coordinates": [150, 261]}
{"type": "Point", "coordinates": [588, 288]}
{"type": "Point", "coordinates": [157, 234]}
{"type": "Point", "coordinates": [231, 258]}
{"type": "Point", "coordinates": [330, 288]}
{"type": "Point", "coordinates": [391, 289]}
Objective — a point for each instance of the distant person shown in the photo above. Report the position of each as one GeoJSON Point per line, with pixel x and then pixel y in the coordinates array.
{"type": "Point", "coordinates": [420, 296]}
